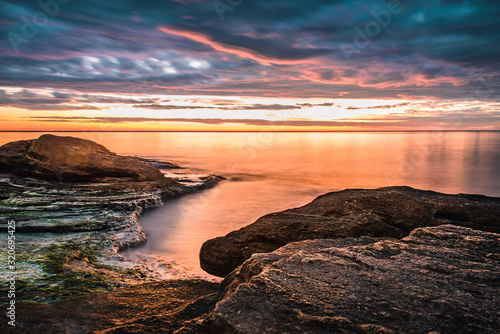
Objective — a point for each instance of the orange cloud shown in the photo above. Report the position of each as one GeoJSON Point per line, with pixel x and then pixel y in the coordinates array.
{"type": "Point", "coordinates": [238, 51]}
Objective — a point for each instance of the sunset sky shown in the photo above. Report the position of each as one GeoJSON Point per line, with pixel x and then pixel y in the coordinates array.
{"type": "Point", "coordinates": [234, 65]}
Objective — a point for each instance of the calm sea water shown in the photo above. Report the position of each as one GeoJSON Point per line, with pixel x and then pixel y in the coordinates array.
{"type": "Point", "coordinates": [268, 172]}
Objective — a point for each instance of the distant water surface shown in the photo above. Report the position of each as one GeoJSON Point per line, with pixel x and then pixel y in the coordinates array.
{"type": "Point", "coordinates": [268, 172]}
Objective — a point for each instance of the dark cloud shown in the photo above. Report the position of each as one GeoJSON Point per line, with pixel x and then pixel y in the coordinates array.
{"type": "Point", "coordinates": [309, 105]}
{"type": "Point", "coordinates": [25, 99]}
{"type": "Point", "coordinates": [233, 106]}
{"type": "Point", "coordinates": [267, 107]}
{"type": "Point", "coordinates": [86, 98]}
{"type": "Point", "coordinates": [387, 106]}
{"type": "Point", "coordinates": [75, 101]}
{"type": "Point", "coordinates": [62, 101]}
{"type": "Point", "coordinates": [210, 121]}
{"type": "Point", "coordinates": [59, 95]}
{"type": "Point", "coordinates": [63, 107]}
{"type": "Point", "coordinates": [169, 107]}
{"type": "Point", "coordinates": [33, 101]}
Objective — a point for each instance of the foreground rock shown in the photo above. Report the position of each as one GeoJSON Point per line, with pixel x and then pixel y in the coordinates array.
{"type": "Point", "coordinates": [68, 233]}
{"type": "Point", "coordinates": [160, 307]}
{"type": "Point", "coordinates": [385, 212]}
{"type": "Point", "coordinates": [437, 280]}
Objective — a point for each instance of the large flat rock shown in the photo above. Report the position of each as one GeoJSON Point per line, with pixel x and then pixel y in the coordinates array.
{"type": "Point", "coordinates": [69, 159]}
{"type": "Point", "coordinates": [437, 280]}
{"type": "Point", "coordinates": [384, 212]}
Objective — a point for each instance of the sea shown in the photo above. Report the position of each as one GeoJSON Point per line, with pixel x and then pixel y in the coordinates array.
{"type": "Point", "coordinates": [272, 171]}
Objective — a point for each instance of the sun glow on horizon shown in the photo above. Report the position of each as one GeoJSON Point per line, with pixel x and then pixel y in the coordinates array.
{"type": "Point", "coordinates": [49, 110]}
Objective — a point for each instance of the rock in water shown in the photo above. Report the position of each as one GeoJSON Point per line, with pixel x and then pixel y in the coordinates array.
{"type": "Point", "coordinates": [385, 212]}
{"type": "Point", "coordinates": [69, 159]}
{"type": "Point", "coordinates": [437, 280]}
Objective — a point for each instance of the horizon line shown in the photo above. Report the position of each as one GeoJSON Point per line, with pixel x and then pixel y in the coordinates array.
{"type": "Point", "coordinates": [246, 131]}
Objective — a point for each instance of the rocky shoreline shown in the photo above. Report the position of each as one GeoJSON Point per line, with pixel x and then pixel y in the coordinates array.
{"type": "Point", "coordinates": [391, 212]}
{"type": "Point", "coordinates": [68, 233]}
{"type": "Point", "coordinates": [437, 279]}
{"type": "Point", "coordinates": [388, 260]}
{"type": "Point", "coordinates": [442, 279]}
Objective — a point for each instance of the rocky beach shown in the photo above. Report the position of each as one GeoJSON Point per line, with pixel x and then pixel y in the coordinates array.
{"type": "Point", "coordinates": [387, 260]}
{"type": "Point", "coordinates": [76, 205]}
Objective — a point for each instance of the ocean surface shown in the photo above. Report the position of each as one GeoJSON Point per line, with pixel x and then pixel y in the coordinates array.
{"type": "Point", "coordinates": [268, 172]}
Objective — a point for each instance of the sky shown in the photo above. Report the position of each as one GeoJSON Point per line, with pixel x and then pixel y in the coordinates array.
{"type": "Point", "coordinates": [241, 65]}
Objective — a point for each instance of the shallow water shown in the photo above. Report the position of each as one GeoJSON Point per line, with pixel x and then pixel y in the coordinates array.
{"type": "Point", "coordinates": [268, 172]}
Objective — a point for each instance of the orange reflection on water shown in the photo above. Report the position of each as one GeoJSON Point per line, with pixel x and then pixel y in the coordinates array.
{"type": "Point", "coordinates": [268, 172]}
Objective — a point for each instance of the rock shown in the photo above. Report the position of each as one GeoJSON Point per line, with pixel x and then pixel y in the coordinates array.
{"type": "Point", "coordinates": [13, 154]}
{"type": "Point", "coordinates": [57, 222]}
{"type": "Point", "coordinates": [438, 279]}
{"type": "Point", "coordinates": [69, 159]}
{"type": "Point", "coordinates": [385, 212]}
{"type": "Point", "coordinates": [160, 307]}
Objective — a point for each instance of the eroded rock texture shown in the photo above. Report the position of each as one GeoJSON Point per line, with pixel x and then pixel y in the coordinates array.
{"type": "Point", "coordinates": [437, 280]}
{"type": "Point", "coordinates": [385, 212]}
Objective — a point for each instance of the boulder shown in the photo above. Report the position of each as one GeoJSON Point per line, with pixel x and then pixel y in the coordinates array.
{"type": "Point", "coordinates": [384, 212]}
{"type": "Point", "coordinates": [437, 280]}
{"type": "Point", "coordinates": [69, 159]}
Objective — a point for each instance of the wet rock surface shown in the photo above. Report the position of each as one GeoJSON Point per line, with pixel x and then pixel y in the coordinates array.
{"type": "Point", "coordinates": [160, 307]}
{"type": "Point", "coordinates": [385, 212]}
{"type": "Point", "coordinates": [437, 280]}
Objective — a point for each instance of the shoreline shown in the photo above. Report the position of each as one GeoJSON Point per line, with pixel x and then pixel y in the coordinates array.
{"type": "Point", "coordinates": [110, 226]}
{"type": "Point", "coordinates": [68, 234]}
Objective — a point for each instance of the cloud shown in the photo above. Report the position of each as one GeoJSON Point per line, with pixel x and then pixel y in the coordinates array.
{"type": "Point", "coordinates": [264, 50]}
{"type": "Point", "coordinates": [210, 121]}
{"type": "Point", "coordinates": [32, 100]}
{"type": "Point", "coordinates": [266, 107]}
{"type": "Point", "coordinates": [66, 100]}
{"type": "Point", "coordinates": [169, 107]}
{"type": "Point", "coordinates": [387, 106]}
{"type": "Point", "coordinates": [232, 105]}
{"type": "Point", "coordinates": [86, 98]}
{"type": "Point", "coordinates": [287, 49]}
{"type": "Point", "coordinates": [451, 121]}
{"type": "Point", "coordinates": [66, 107]}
